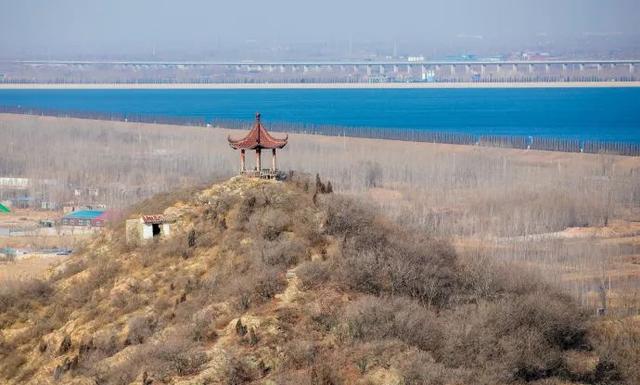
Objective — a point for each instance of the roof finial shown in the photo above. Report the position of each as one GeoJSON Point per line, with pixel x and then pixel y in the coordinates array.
{"type": "Point", "coordinates": [258, 138]}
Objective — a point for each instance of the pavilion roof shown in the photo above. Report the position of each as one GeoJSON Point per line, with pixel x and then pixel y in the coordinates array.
{"type": "Point", "coordinates": [257, 138]}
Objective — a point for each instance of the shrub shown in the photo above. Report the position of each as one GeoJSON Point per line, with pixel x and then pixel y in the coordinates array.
{"type": "Point", "coordinates": [162, 359]}
{"type": "Point", "coordinates": [322, 188]}
{"type": "Point", "coordinates": [313, 273]}
{"type": "Point", "coordinates": [300, 354]}
{"type": "Point", "coordinates": [308, 226]}
{"type": "Point", "coordinates": [247, 207]}
{"type": "Point", "coordinates": [380, 257]}
{"type": "Point", "coordinates": [101, 345]}
{"type": "Point", "coordinates": [237, 372]}
{"type": "Point", "coordinates": [18, 294]}
{"type": "Point", "coordinates": [203, 326]}
{"type": "Point", "coordinates": [300, 180]}
{"type": "Point", "coordinates": [323, 373]}
{"type": "Point", "coordinates": [419, 368]}
{"type": "Point", "coordinates": [205, 238]}
{"type": "Point", "coordinates": [284, 252]}
{"type": "Point", "coordinates": [174, 247]}
{"type": "Point", "coordinates": [516, 338]}
{"type": "Point", "coordinates": [254, 286]}
{"type": "Point", "coordinates": [372, 318]}
{"type": "Point", "coordinates": [42, 324]}
{"type": "Point", "coordinates": [104, 270]}
{"type": "Point", "coordinates": [267, 283]}
{"type": "Point", "coordinates": [483, 277]}
{"type": "Point", "coordinates": [345, 217]}
{"type": "Point", "coordinates": [70, 268]}
{"type": "Point", "coordinates": [65, 345]}
{"type": "Point", "coordinates": [269, 224]}
{"type": "Point", "coordinates": [560, 322]}
{"type": "Point", "coordinates": [11, 365]}
{"type": "Point", "coordinates": [618, 345]}
{"type": "Point", "coordinates": [422, 269]}
{"type": "Point", "coordinates": [324, 313]}
{"type": "Point", "coordinates": [175, 356]}
{"type": "Point", "coordinates": [139, 329]}
{"type": "Point", "coordinates": [292, 378]}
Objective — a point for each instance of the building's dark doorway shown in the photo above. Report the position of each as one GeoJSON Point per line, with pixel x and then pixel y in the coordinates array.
{"type": "Point", "coordinates": [156, 229]}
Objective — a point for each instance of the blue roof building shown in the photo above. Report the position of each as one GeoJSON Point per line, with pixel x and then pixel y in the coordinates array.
{"type": "Point", "coordinates": [84, 214]}
{"type": "Point", "coordinates": [85, 218]}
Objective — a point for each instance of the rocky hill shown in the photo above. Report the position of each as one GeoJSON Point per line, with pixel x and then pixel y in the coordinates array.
{"type": "Point", "coordinates": [286, 283]}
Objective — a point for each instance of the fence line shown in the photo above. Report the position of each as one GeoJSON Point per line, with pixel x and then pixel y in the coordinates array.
{"type": "Point", "coordinates": [408, 134]}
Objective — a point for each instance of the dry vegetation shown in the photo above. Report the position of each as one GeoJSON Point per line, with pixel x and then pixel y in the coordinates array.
{"type": "Point", "coordinates": [488, 269]}
{"type": "Point", "coordinates": [27, 266]}
{"type": "Point", "coordinates": [275, 283]}
{"type": "Point", "coordinates": [126, 163]}
{"type": "Point", "coordinates": [486, 200]}
{"type": "Point", "coordinates": [454, 190]}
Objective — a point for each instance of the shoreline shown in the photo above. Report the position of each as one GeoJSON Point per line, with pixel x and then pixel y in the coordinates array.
{"type": "Point", "coordinates": [250, 86]}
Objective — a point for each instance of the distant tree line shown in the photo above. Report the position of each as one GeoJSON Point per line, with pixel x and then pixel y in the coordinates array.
{"type": "Point", "coordinates": [405, 134]}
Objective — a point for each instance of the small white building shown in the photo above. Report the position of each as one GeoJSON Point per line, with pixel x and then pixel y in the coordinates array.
{"type": "Point", "coordinates": [147, 227]}
{"type": "Point", "coordinates": [17, 183]}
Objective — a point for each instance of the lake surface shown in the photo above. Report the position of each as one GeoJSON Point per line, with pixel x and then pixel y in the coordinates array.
{"type": "Point", "coordinates": [611, 114]}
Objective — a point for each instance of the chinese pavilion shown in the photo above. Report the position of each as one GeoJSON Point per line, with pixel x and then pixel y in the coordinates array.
{"type": "Point", "coordinates": [258, 139]}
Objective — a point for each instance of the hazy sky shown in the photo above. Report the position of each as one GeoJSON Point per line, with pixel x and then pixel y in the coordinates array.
{"type": "Point", "coordinates": [85, 27]}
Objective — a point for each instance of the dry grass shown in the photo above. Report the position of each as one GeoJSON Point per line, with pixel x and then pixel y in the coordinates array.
{"type": "Point", "coordinates": [477, 196]}
{"type": "Point", "coordinates": [48, 241]}
{"type": "Point", "coordinates": [491, 321]}
{"type": "Point", "coordinates": [28, 267]}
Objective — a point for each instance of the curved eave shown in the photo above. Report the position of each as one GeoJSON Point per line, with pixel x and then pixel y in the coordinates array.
{"type": "Point", "coordinates": [256, 146]}
{"type": "Point", "coordinates": [244, 144]}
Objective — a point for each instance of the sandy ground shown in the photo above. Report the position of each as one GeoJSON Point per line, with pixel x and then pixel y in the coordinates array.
{"type": "Point", "coordinates": [605, 84]}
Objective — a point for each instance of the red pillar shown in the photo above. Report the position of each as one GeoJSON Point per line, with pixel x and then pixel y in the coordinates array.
{"type": "Point", "coordinates": [242, 162]}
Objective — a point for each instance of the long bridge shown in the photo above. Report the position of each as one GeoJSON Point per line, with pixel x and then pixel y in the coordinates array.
{"type": "Point", "coordinates": [322, 71]}
{"type": "Point", "coordinates": [631, 63]}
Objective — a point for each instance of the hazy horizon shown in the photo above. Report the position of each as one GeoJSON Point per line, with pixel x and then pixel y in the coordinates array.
{"type": "Point", "coordinates": [287, 28]}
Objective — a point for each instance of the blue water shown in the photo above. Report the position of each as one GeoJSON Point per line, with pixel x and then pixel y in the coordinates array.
{"type": "Point", "coordinates": [576, 113]}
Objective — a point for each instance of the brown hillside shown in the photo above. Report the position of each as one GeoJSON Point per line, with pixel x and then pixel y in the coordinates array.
{"type": "Point", "coordinates": [273, 283]}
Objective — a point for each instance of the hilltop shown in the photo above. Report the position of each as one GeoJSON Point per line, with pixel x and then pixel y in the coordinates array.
{"type": "Point", "coordinates": [286, 283]}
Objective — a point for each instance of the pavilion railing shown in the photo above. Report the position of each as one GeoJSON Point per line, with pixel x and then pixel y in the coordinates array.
{"type": "Point", "coordinates": [265, 173]}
